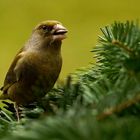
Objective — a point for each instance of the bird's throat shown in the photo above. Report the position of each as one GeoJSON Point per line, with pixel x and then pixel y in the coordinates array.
{"type": "Point", "coordinates": [55, 46]}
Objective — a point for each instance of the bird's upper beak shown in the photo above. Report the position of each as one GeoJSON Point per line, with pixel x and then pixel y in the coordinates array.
{"type": "Point", "coordinates": [59, 32]}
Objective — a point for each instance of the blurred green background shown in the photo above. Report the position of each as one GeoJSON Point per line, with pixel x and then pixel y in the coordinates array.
{"type": "Point", "coordinates": [82, 18]}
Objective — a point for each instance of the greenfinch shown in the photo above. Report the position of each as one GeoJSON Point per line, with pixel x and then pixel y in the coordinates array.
{"type": "Point", "coordinates": [36, 66]}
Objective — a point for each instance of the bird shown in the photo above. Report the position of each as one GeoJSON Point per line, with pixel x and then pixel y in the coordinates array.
{"type": "Point", "coordinates": [37, 65]}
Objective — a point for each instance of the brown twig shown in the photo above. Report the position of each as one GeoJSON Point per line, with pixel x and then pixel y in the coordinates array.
{"type": "Point", "coordinates": [118, 108]}
{"type": "Point", "coordinates": [121, 45]}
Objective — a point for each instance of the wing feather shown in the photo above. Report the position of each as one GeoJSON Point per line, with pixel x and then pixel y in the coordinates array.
{"type": "Point", "coordinates": [11, 76]}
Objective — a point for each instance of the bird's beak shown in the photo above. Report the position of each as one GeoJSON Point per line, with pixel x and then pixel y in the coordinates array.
{"type": "Point", "coordinates": [59, 32]}
{"type": "Point", "coordinates": [59, 29]}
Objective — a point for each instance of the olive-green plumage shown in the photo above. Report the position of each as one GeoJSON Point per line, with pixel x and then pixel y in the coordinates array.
{"type": "Point", "coordinates": [36, 66]}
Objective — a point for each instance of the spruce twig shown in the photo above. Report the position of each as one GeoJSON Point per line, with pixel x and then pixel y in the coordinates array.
{"type": "Point", "coordinates": [121, 45]}
{"type": "Point", "coordinates": [119, 108]}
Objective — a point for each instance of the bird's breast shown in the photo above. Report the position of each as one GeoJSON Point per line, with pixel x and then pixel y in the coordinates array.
{"type": "Point", "coordinates": [48, 68]}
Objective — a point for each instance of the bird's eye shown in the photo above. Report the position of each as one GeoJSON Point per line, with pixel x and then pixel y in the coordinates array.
{"type": "Point", "coordinates": [44, 27]}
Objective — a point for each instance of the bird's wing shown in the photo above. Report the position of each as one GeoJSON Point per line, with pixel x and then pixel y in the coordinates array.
{"type": "Point", "coordinates": [11, 76]}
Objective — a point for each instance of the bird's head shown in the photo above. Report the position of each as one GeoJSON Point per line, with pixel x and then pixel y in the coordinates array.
{"type": "Point", "coordinates": [52, 30]}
